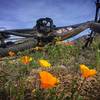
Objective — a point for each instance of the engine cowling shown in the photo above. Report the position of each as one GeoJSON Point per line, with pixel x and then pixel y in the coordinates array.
{"type": "Point", "coordinates": [45, 25]}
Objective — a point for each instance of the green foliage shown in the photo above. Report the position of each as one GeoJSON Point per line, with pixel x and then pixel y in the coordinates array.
{"type": "Point", "coordinates": [96, 47]}
{"type": "Point", "coordinates": [60, 53]}
{"type": "Point", "coordinates": [13, 73]}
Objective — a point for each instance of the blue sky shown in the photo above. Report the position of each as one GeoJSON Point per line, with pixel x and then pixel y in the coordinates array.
{"type": "Point", "coordinates": [24, 13]}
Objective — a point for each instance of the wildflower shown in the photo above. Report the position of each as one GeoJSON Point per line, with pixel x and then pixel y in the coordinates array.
{"type": "Point", "coordinates": [38, 48]}
{"type": "Point", "coordinates": [47, 80]}
{"type": "Point", "coordinates": [11, 62]}
{"type": "Point", "coordinates": [58, 39]}
{"type": "Point", "coordinates": [86, 72]}
{"type": "Point", "coordinates": [44, 63]}
{"type": "Point", "coordinates": [65, 43]}
{"type": "Point", "coordinates": [33, 90]}
{"type": "Point", "coordinates": [0, 58]}
{"type": "Point", "coordinates": [98, 50]}
{"type": "Point", "coordinates": [11, 53]}
{"type": "Point", "coordinates": [59, 42]}
{"type": "Point", "coordinates": [33, 71]}
{"type": "Point", "coordinates": [26, 59]}
{"type": "Point", "coordinates": [30, 79]}
{"type": "Point", "coordinates": [68, 43]}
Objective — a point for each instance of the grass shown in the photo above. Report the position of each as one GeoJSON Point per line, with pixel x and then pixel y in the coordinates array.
{"type": "Point", "coordinates": [65, 61]}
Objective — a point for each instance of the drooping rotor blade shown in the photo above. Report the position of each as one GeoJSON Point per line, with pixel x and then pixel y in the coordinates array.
{"type": "Point", "coordinates": [73, 26]}
{"type": "Point", "coordinates": [76, 31]}
{"type": "Point", "coordinates": [33, 30]}
{"type": "Point", "coordinates": [17, 33]}
{"type": "Point", "coordinates": [92, 25]}
{"type": "Point", "coordinates": [28, 30]}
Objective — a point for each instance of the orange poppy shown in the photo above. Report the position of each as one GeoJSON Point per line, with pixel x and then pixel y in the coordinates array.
{"type": "Point", "coordinates": [26, 59]}
{"type": "Point", "coordinates": [47, 80]}
{"type": "Point", "coordinates": [86, 72]}
{"type": "Point", "coordinates": [66, 43]}
{"type": "Point", "coordinates": [11, 53]}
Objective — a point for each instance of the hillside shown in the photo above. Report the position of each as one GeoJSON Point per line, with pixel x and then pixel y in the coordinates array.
{"type": "Point", "coordinates": [21, 81]}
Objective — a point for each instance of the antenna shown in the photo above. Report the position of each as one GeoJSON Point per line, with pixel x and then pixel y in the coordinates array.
{"type": "Point", "coordinates": [97, 10]}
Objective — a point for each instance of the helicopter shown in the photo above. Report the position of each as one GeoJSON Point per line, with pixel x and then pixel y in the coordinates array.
{"type": "Point", "coordinates": [44, 32]}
